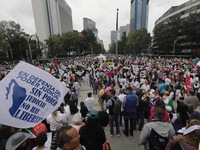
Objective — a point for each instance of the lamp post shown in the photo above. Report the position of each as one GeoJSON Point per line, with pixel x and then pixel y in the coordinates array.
{"type": "Point", "coordinates": [29, 45]}
{"type": "Point", "coordinates": [117, 33]}
{"type": "Point", "coordinates": [174, 48]}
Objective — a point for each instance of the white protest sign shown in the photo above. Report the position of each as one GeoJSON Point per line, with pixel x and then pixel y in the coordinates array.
{"type": "Point", "coordinates": [135, 67]}
{"type": "Point", "coordinates": [28, 95]}
{"type": "Point", "coordinates": [61, 72]}
{"type": "Point", "coordinates": [63, 67]}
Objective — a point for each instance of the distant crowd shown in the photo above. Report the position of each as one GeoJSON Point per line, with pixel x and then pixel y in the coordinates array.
{"type": "Point", "coordinates": [159, 97]}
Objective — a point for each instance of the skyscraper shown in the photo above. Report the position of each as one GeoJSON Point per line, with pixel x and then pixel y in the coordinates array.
{"type": "Point", "coordinates": [139, 14]}
{"type": "Point", "coordinates": [88, 23]}
{"type": "Point", "coordinates": [91, 25]}
{"type": "Point", "coordinates": [113, 36]}
{"type": "Point", "coordinates": [51, 17]}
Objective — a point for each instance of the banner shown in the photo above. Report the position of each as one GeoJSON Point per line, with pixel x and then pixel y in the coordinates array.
{"type": "Point", "coordinates": [28, 95]}
{"type": "Point", "coordinates": [135, 67]}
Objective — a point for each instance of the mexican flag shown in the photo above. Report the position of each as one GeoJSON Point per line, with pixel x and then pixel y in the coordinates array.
{"type": "Point", "coordinates": [135, 58]}
{"type": "Point", "coordinates": [170, 103]}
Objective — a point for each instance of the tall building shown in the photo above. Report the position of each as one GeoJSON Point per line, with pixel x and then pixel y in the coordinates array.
{"type": "Point", "coordinates": [91, 25]}
{"type": "Point", "coordinates": [127, 29]}
{"type": "Point", "coordinates": [183, 10]}
{"type": "Point", "coordinates": [113, 36]}
{"type": "Point", "coordinates": [88, 23]}
{"type": "Point", "coordinates": [122, 31]}
{"type": "Point", "coordinates": [51, 17]}
{"type": "Point", "coordinates": [139, 14]}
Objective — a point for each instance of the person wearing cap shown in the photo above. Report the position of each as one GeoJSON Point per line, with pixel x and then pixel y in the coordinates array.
{"type": "Point", "coordinates": [189, 140]}
{"type": "Point", "coordinates": [68, 139]}
{"type": "Point", "coordinates": [18, 140]}
{"type": "Point", "coordinates": [92, 134]}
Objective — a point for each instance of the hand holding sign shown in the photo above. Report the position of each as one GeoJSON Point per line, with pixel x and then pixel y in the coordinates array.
{"type": "Point", "coordinates": [28, 95]}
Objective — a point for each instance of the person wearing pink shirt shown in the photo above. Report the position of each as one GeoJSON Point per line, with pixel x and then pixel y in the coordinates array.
{"type": "Point", "coordinates": [159, 103]}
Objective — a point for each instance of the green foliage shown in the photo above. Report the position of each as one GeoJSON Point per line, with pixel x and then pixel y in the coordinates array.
{"type": "Point", "coordinates": [71, 43]}
{"type": "Point", "coordinates": [14, 42]}
{"type": "Point", "coordinates": [185, 30]}
{"type": "Point", "coordinates": [191, 27]}
{"type": "Point", "coordinates": [138, 40]}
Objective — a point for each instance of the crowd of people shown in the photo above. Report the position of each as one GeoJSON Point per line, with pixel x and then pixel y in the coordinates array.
{"type": "Point", "coordinates": [157, 96]}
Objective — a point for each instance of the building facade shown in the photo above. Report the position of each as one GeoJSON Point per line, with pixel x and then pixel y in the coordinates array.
{"type": "Point", "coordinates": [51, 17]}
{"type": "Point", "coordinates": [113, 36]}
{"type": "Point", "coordinates": [139, 14]}
{"type": "Point", "coordinates": [88, 23]}
{"type": "Point", "coordinates": [183, 10]}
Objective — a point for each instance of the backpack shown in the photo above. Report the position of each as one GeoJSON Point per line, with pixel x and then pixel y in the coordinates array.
{"type": "Point", "coordinates": [117, 105]}
{"type": "Point", "coordinates": [156, 141]}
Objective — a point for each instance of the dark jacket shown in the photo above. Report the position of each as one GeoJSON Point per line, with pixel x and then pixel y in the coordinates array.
{"type": "Point", "coordinates": [92, 138]}
{"type": "Point", "coordinates": [131, 102]}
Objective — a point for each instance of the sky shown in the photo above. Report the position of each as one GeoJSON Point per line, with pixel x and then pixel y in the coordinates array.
{"type": "Point", "coordinates": [103, 12]}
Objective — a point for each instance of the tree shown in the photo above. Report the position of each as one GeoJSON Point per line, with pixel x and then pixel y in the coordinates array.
{"type": "Point", "coordinates": [177, 29]}
{"type": "Point", "coordinates": [89, 40]}
{"type": "Point", "coordinates": [14, 41]}
{"type": "Point", "coordinates": [138, 40]}
{"type": "Point", "coordinates": [190, 29]}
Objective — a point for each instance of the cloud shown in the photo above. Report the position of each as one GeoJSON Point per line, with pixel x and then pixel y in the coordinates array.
{"type": "Point", "coordinates": [103, 12]}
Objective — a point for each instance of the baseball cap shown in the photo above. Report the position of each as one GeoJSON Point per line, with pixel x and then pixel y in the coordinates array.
{"type": "Point", "coordinates": [16, 140]}
{"type": "Point", "coordinates": [93, 114]}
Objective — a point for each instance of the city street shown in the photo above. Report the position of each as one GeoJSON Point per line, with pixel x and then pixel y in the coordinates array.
{"type": "Point", "coordinates": [117, 143]}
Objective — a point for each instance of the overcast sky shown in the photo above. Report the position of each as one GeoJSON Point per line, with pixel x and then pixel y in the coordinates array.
{"type": "Point", "coordinates": [103, 12]}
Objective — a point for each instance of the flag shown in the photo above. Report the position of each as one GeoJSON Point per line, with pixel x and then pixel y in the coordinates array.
{"type": "Point", "coordinates": [170, 103]}
{"type": "Point", "coordinates": [55, 62]}
{"type": "Point", "coordinates": [135, 58]}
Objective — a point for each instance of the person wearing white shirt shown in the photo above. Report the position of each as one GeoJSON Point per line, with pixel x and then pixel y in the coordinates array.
{"type": "Point", "coordinates": [145, 87]}
{"type": "Point", "coordinates": [89, 102]}
{"type": "Point", "coordinates": [121, 97]}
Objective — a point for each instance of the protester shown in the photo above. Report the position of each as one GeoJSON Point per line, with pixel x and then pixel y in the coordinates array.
{"type": "Point", "coordinates": [157, 126]}
{"type": "Point", "coordinates": [41, 138]}
{"type": "Point", "coordinates": [18, 141]}
{"type": "Point", "coordinates": [113, 117]}
{"type": "Point", "coordinates": [55, 119]}
{"type": "Point", "coordinates": [83, 110]}
{"type": "Point", "coordinates": [130, 103]}
{"type": "Point", "coordinates": [102, 97]}
{"type": "Point", "coordinates": [89, 102]}
{"type": "Point", "coordinates": [191, 99]}
{"type": "Point", "coordinates": [68, 139]}
{"type": "Point", "coordinates": [92, 135]}
{"type": "Point", "coordinates": [189, 140]}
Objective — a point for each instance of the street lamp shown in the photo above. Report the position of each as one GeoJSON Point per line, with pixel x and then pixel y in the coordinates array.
{"type": "Point", "coordinates": [30, 50]}
{"type": "Point", "coordinates": [174, 48]}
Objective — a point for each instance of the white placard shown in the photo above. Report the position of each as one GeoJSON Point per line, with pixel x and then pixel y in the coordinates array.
{"type": "Point", "coordinates": [28, 95]}
{"type": "Point", "coordinates": [135, 67]}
